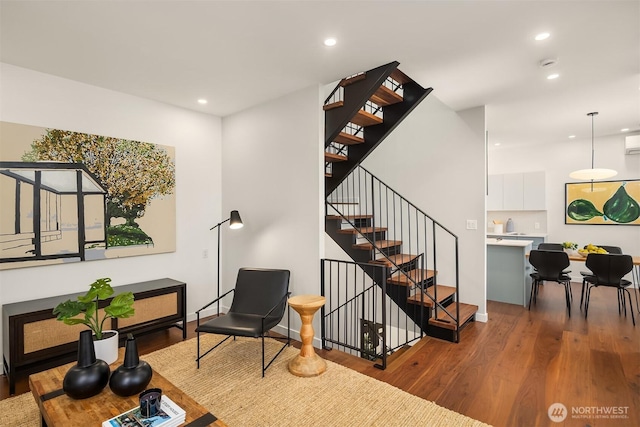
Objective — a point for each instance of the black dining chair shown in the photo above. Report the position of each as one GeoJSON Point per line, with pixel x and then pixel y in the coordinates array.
{"type": "Point", "coordinates": [609, 270]}
{"type": "Point", "coordinates": [550, 247]}
{"type": "Point", "coordinates": [610, 249]}
{"type": "Point", "coordinates": [259, 303]}
{"type": "Point", "coordinates": [550, 266]}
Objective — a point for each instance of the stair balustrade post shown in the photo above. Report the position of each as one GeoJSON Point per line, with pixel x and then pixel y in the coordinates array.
{"type": "Point", "coordinates": [385, 273]}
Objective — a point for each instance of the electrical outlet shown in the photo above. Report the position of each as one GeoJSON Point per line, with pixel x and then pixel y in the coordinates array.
{"type": "Point", "coordinates": [536, 226]}
{"type": "Point", "coordinates": [205, 253]}
{"type": "Point", "coordinates": [472, 224]}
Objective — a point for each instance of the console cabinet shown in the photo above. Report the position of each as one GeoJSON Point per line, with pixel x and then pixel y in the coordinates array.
{"type": "Point", "coordinates": [33, 340]}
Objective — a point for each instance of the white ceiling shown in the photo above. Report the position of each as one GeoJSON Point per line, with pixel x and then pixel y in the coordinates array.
{"type": "Point", "coordinates": [241, 53]}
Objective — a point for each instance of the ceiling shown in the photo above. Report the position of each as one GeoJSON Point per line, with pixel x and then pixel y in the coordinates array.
{"type": "Point", "coordinates": [237, 54]}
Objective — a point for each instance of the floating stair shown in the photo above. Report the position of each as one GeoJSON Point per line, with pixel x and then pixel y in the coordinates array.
{"type": "Point", "coordinates": [364, 118]}
{"type": "Point", "coordinates": [348, 139]}
{"type": "Point", "coordinates": [359, 114]}
{"type": "Point", "coordinates": [411, 277]}
{"type": "Point", "coordinates": [333, 157]}
{"type": "Point", "coordinates": [444, 293]}
{"type": "Point", "coordinates": [385, 96]}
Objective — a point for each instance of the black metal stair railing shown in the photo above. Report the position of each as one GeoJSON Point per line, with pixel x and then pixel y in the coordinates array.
{"type": "Point", "coordinates": [359, 317]}
{"type": "Point", "coordinates": [421, 237]}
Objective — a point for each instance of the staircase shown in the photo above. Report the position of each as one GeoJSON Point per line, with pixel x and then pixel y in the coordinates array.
{"type": "Point", "coordinates": [374, 224]}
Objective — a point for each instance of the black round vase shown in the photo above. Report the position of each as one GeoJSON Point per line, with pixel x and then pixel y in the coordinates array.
{"type": "Point", "coordinates": [90, 375]}
{"type": "Point", "coordinates": [134, 375]}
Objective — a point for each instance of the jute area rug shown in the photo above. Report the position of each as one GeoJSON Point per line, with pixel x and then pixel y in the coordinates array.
{"type": "Point", "coordinates": [229, 384]}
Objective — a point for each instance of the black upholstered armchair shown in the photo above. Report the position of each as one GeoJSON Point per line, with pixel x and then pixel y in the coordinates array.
{"type": "Point", "coordinates": [259, 303]}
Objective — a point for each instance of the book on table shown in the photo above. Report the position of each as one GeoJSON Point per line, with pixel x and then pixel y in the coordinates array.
{"type": "Point", "coordinates": [170, 415]}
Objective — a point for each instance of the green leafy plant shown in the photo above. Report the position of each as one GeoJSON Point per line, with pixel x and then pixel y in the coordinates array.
{"type": "Point", "coordinates": [570, 245]}
{"type": "Point", "coordinates": [85, 309]}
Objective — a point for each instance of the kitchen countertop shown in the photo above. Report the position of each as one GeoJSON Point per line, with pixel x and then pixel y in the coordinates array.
{"type": "Point", "coordinates": [509, 242]}
{"type": "Point", "coordinates": [513, 234]}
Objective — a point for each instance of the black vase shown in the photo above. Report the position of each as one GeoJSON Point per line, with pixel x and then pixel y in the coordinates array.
{"type": "Point", "coordinates": [90, 375]}
{"type": "Point", "coordinates": [134, 375]}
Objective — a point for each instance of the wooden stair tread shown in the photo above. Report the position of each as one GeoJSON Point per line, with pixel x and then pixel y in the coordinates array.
{"type": "Point", "coordinates": [333, 105]}
{"type": "Point", "coordinates": [410, 277]}
{"type": "Point", "coordinates": [444, 292]}
{"type": "Point", "coordinates": [363, 230]}
{"type": "Point", "coordinates": [350, 216]}
{"type": "Point", "coordinates": [398, 259]}
{"type": "Point", "coordinates": [385, 96]}
{"type": "Point", "coordinates": [332, 157]}
{"type": "Point", "coordinates": [353, 79]}
{"type": "Point", "coordinates": [380, 244]}
{"type": "Point", "coordinates": [327, 175]}
{"type": "Point", "coordinates": [348, 139]}
{"type": "Point", "coordinates": [364, 118]}
{"type": "Point", "coordinates": [399, 76]}
{"type": "Point", "coordinates": [467, 311]}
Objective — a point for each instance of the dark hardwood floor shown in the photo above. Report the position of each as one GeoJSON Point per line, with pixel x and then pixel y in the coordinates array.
{"type": "Point", "coordinates": [508, 371]}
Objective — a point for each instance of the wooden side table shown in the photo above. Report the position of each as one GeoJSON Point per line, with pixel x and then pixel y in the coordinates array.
{"type": "Point", "coordinates": [307, 363]}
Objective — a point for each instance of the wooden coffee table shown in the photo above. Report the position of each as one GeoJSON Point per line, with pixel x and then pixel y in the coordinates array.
{"type": "Point", "coordinates": [58, 409]}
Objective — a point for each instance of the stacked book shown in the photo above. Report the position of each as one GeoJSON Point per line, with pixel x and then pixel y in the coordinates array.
{"type": "Point", "coordinates": [170, 415]}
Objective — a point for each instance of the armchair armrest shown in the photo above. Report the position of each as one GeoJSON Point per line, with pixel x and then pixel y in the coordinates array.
{"type": "Point", "coordinates": [284, 298]}
{"type": "Point", "coordinates": [215, 300]}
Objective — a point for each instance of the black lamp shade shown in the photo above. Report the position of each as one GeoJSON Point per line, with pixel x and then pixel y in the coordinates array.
{"type": "Point", "coordinates": [236, 221]}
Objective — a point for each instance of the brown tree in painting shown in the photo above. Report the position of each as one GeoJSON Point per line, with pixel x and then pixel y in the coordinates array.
{"type": "Point", "coordinates": [132, 172]}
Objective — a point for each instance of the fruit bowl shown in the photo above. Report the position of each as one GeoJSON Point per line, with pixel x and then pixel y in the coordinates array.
{"type": "Point", "coordinates": [591, 249]}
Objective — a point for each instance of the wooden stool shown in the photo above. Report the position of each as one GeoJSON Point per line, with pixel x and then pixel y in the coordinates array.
{"type": "Point", "coordinates": [307, 363]}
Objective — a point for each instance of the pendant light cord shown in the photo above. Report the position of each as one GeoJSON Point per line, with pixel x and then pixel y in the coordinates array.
{"type": "Point", "coordinates": [592, 146]}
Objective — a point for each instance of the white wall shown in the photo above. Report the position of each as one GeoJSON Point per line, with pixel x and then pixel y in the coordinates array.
{"type": "Point", "coordinates": [33, 98]}
{"type": "Point", "coordinates": [558, 160]}
{"type": "Point", "coordinates": [272, 174]}
{"type": "Point", "coordinates": [435, 159]}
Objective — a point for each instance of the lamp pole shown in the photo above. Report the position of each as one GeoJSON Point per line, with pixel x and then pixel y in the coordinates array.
{"type": "Point", "coordinates": [236, 222]}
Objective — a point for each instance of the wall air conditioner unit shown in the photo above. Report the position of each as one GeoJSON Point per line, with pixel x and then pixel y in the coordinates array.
{"type": "Point", "coordinates": [632, 144]}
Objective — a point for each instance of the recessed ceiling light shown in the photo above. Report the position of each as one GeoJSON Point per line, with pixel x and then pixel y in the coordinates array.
{"type": "Point", "coordinates": [542, 36]}
{"type": "Point", "coordinates": [553, 76]}
{"type": "Point", "coordinates": [624, 130]}
{"type": "Point", "coordinates": [202, 101]}
{"type": "Point", "coordinates": [496, 144]}
{"type": "Point", "coordinates": [571, 136]}
{"type": "Point", "coordinates": [330, 42]}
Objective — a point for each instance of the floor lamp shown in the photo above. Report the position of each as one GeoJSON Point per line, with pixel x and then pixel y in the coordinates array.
{"type": "Point", "coordinates": [235, 222]}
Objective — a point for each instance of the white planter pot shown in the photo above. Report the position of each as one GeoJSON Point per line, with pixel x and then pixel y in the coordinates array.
{"type": "Point", "coordinates": [107, 349]}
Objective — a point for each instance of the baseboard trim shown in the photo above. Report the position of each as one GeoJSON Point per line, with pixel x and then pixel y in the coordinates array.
{"type": "Point", "coordinates": [482, 317]}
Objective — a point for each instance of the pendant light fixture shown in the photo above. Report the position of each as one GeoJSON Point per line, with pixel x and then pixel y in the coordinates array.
{"type": "Point", "coordinates": [591, 174]}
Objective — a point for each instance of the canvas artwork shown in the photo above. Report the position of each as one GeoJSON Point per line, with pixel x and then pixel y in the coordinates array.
{"type": "Point", "coordinates": [70, 197]}
{"type": "Point", "coordinates": [603, 203]}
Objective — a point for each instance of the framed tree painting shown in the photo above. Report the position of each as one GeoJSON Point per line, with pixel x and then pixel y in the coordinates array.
{"type": "Point", "coordinates": [603, 203]}
{"type": "Point", "coordinates": [69, 196]}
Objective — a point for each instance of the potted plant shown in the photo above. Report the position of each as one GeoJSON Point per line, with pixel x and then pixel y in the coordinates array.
{"type": "Point", "coordinates": [85, 310]}
{"type": "Point", "coordinates": [570, 247]}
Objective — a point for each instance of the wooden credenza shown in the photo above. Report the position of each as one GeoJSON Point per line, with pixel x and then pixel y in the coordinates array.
{"type": "Point", "coordinates": [33, 340]}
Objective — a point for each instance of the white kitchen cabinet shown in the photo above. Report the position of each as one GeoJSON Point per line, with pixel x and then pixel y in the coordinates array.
{"type": "Point", "coordinates": [534, 194]}
{"type": "Point", "coordinates": [512, 196]}
{"type": "Point", "coordinates": [516, 192]}
{"type": "Point", "coordinates": [494, 197]}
